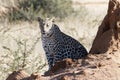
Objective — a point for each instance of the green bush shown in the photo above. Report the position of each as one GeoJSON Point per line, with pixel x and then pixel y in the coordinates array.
{"type": "Point", "coordinates": [30, 9]}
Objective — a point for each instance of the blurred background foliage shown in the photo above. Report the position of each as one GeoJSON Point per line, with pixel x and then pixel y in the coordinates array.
{"type": "Point", "coordinates": [30, 9]}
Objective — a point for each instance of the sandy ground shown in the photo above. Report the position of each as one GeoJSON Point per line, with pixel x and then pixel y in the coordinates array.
{"type": "Point", "coordinates": [96, 67]}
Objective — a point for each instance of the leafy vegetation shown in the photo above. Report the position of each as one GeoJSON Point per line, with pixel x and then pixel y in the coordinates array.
{"type": "Point", "coordinates": [30, 9]}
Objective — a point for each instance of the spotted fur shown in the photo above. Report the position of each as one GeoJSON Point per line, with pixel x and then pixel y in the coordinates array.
{"type": "Point", "coordinates": [58, 46]}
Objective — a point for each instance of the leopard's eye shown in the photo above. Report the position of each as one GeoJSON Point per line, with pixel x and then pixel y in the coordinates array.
{"type": "Point", "coordinates": [47, 25]}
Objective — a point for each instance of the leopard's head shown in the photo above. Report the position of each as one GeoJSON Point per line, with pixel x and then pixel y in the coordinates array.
{"type": "Point", "coordinates": [47, 26]}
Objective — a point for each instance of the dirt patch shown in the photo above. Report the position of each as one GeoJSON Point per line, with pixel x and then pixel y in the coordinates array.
{"type": "Point", "coordinates": [66, 63]}
{"type": "Point", "coordinates": [22, 75]}
{"type": "Point", "coordinates": [94, 67]}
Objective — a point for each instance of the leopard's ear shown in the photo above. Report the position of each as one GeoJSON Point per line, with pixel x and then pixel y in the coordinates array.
{"type": "Point", "coordinates": [53, 19]}
{"type": "Point", "coordinates": [40, 19]}
{"type": "Point", "coordinates": [41, 24]}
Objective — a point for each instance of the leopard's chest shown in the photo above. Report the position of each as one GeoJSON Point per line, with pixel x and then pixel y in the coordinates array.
{"type": "Point", "coordinates": [49, 45]}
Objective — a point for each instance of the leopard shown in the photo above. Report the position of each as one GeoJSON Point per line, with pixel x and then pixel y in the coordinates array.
{"type": "Point", "coordinates": [58, 45]}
